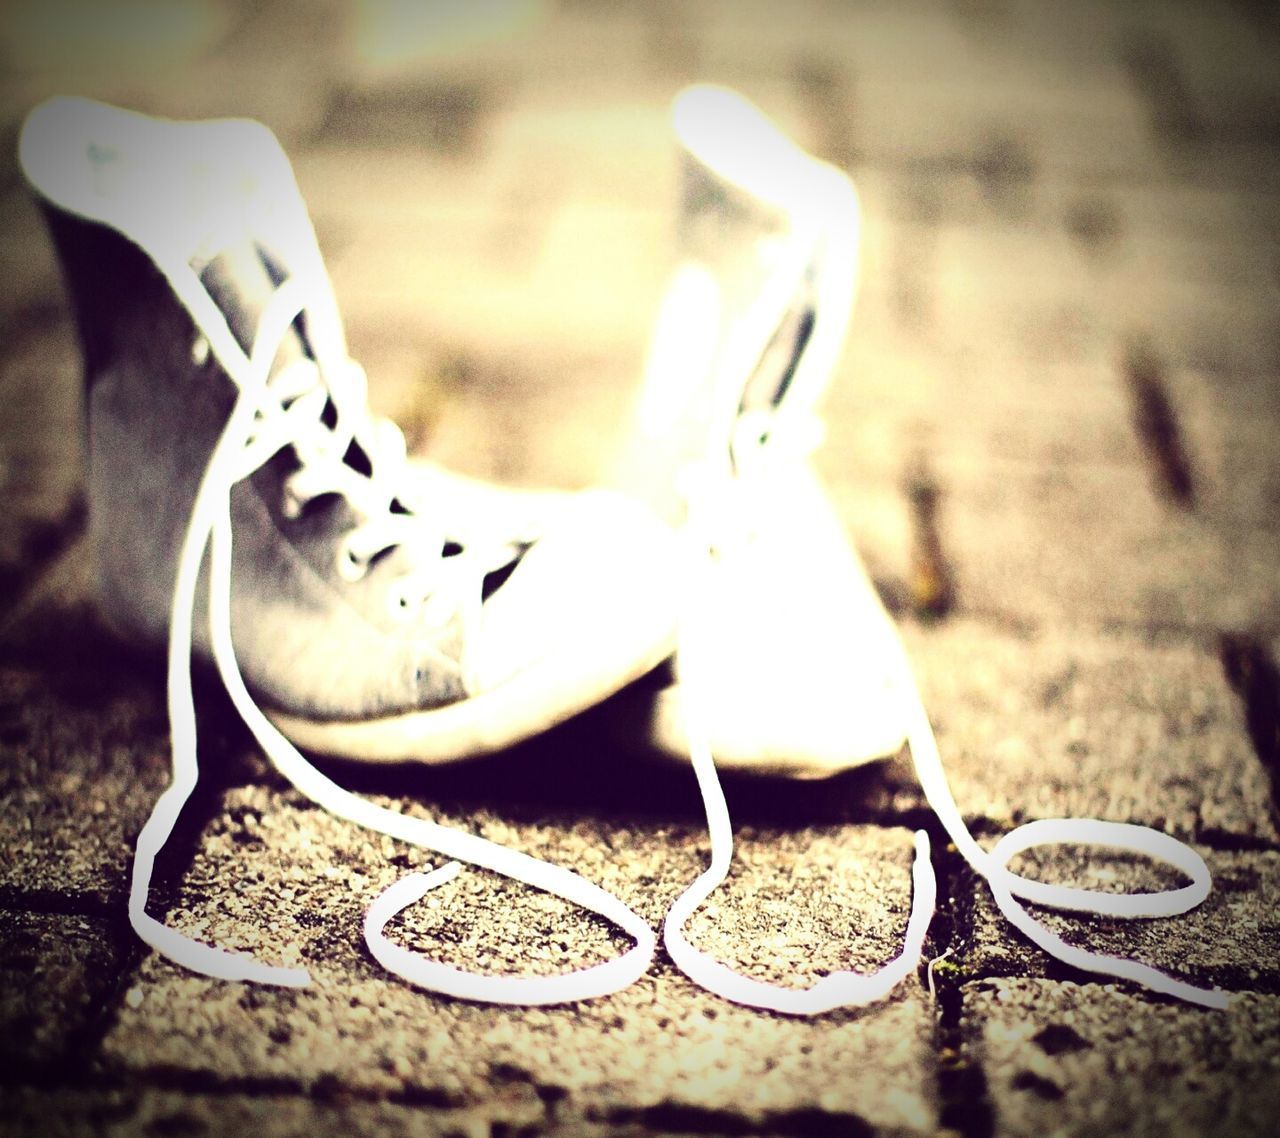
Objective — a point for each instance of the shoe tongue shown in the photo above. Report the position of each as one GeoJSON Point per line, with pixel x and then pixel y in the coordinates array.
{"type": "Point", "coordinates": [241, 284]}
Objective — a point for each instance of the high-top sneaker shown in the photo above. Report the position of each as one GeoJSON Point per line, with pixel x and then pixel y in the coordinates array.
{"type": "Point", "coordinates": [799, 674]}
{"type": "Point", "coordinates": [364, 627]}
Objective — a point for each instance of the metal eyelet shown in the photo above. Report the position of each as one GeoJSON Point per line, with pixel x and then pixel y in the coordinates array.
{"type": "Point", "coordinates": [351, 566]}
{"type": "Point", "coordinates": [200, 351]}
{"type": "Point", "coordinates": [401, 606]}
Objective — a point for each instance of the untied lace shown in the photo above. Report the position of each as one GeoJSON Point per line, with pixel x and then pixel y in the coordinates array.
{"type": "Point", "coordinates": [715, 510]}
{"type": "Point", "coordinates": [270, 414]}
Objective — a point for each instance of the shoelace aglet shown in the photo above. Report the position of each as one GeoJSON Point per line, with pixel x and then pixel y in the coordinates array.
{"type": "Point", "coordinates": [933, 964]}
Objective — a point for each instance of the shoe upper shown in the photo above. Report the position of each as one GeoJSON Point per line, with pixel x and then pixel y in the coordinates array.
{"type": "Point", "coordinates": [755, 311]}
{"type": "Point", "coordinates": [347, 599]}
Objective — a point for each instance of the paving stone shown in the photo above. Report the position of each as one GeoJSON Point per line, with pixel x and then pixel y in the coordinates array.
{"type": "Point", "coordinates": [1231, 940]}
{"type": "Point", "coordinates": [1070, 722]}
{"type": "Point", "coordinates": [1068, 1059]}
{"type": "Point", "coordinates": [616, 50]}
{"type": "Point", "coordinates": [1018, 278]}
{"type": "Point", "coordinates": [391, 40]}
{"type": "Point", "coordinates": [524, 276]}
{"type": "Point", "coordinates": [1097, 133]}
{"type": "Point", "coordinates": [1064, 542]}
{"type": "Point", "coordinates": [1075, 108]}
{"type": "Point", "coordinates": [1231, 100]}
{"type": "Point", "coordinates": [56, 973]}
{"type": "Point", "coordinates": [1228, 422]}
{"type": "Point", "coordinates": [195, 59]}
{"type": "Point", "coordinates": [502, 313]}
{"type": "Point", "coordinates": [548, 421]}
{"type": "Point", "coordinates": [1190, 264]}
{"type": "Point", "coordinates": [142, 1110]}
{"type": "Point", "coordinates": [48, 46]}
{"type": "Point", "coordinates": [301, 880]}
{"type": "Point", "coordinates": [135, 1111]}
{"type": "Point", "coordinates": [85, 754]}
{"type": "Point", "coordinates": [501, 306]}
{"type": "Point", "coordinates": [1047, 509]}
{"type": "Point", "coordinates": [65, 1112]}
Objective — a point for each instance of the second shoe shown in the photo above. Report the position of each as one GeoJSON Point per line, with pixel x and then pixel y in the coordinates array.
{"type": "Point", "coordinates": [800, 662]}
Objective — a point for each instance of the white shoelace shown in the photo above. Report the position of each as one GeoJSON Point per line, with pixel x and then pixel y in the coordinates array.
{"type": "Point", "coordinates": [786, 436]}
{"type": "Point", "coordinates": [269, 415]}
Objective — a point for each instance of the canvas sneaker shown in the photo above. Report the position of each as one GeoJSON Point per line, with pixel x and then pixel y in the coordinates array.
{"type": "Point", "coordinates": [364, 624]}
{"type": "Point", "coordinates": [365, 618]}
{"type": "Point", "coordinates": [744, 346]}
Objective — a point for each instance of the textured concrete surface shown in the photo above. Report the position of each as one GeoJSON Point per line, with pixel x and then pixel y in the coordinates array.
{"type": "Point", "coordinates": [1069, 1060]}
{"type": "Point", "coordinates": [1073, 721]}
{"type": "Point", "coordinates": [1052, 436]}
{"type": "Point", "coordinates": [59, 973]}
{"type": "Point", "coordinates": [656, 1043]}
{"type": "Point", "coordinates": [84, 758]}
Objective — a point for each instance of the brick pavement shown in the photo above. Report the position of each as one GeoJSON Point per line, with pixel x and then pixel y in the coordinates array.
{"type": "Point", "coordinates": [1065, 345]}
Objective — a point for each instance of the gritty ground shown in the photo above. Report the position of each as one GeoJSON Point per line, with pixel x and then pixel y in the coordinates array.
{"type": "Point", "coordinates": [1052, 437]}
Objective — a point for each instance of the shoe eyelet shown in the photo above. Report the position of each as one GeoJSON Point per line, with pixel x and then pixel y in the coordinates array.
{"type": "Point", "coordinates": [401, 606]}
{"type": "Point", "coordinates": [351, 566]}
{"type": "Point", "coordinates": [200, 351]}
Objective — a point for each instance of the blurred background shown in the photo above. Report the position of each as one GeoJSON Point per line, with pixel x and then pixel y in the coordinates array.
{"type": "Point", "coordinates": [1070, 269]}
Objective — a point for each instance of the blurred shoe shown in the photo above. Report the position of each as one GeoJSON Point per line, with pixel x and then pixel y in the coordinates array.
{"type": "Point", "coordinates": [786, 661]}
{"type": "Point", "coordinates": [800, 672]}
{"type": "Point", "coordinates": [364, 625]}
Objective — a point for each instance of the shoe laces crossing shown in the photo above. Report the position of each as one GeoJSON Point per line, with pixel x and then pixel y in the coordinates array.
{"type": "Point", "coordinates": [286, 411]}
{"type": "Point", "coordinates": [719, 500]}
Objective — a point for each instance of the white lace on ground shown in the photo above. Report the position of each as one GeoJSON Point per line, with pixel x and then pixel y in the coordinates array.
{"type": "Point", "coordinates": [788, 437]}
{"type": "Point", "coordinates": [1007, 886]}
{"type": "Point", "coordinates": [840, 988]}
{"type": "Point", "coordinates": [716, 510]}
{"type": "Point", "coordinates": [825, 237]}
{"type": "Point", "coordinates": [259, 426]}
